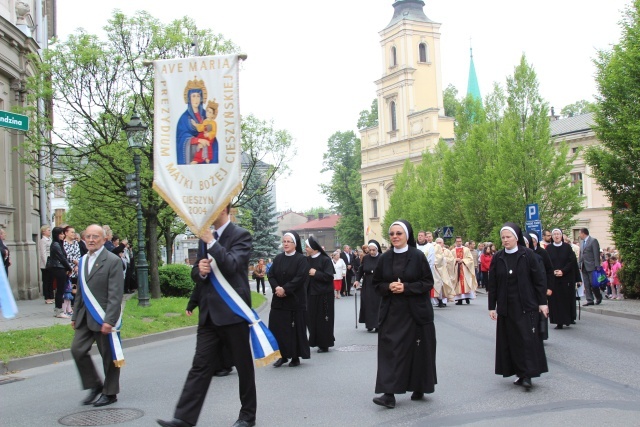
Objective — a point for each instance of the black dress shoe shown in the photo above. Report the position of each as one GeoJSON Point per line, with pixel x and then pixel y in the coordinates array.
{"type": "Point", "coordinates": [294, 362]}
{"type": "Point", "coordinates": [573, 322]}
{"type": "Point", "coordinates": [468, 300]}
{"type": "Point", "coordinates": [222, 372]}
{"type": "Point", "coordinates": [244, 423]}
{"type": "Point", "coordinates": [280, 362]}
{"type": "Point", "coordinates": [387, 400]}
{"type": "Point", "coordinates": [598, 302]}
{"type": "Point", "coordinates": [459, 302]}
{"type": "Point", "coordinates": [106, 400]}
{"type": "Point", "coordinates": [173, 423]}
{"type": "Point", "coordinates": [589, 303]}
{"type": "Point", "coordinates": [93, 395]}
{"type": "Point", "coordinates": [558, 327]}
{"type": "Point", "coordinates": [518, 381]}
{"type": "Point", "coordinates": [323, 350]}
{"type": "Point", "coordinates": [526, 383]}
{"type": "Point", "coordinates": [416, 395]}
{"type": "Point", "coordinates": [369, 329]}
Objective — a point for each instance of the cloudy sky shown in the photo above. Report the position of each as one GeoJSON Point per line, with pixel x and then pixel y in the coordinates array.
{"type": "Point", "coordinates": [311, 65]}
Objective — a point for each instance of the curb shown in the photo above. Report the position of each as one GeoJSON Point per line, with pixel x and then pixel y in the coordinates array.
{"type": "Point", "coordinates": [612, 313]}
{"type": "Point", "coordinates": [65, 355]}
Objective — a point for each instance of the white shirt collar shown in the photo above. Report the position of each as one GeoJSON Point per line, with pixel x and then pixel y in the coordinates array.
{"type": "Point", "coordinates": [557, 244]}
{"type": "Point", "coordinates": [316, 255]}
{"type": "Point", "coordinates": [511, 251]}
{"type": "Point", "coordinates": [96, 253]}
{"type": "Point", "coordinates": [401, 250]}
{"type": "Point", "coordinates": [290, 254]}
{"type": "Point", "coordinates": [222, 228]}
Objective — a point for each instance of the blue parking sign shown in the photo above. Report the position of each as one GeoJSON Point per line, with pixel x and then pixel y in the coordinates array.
{"type": "Point", "coordinates": [532, 212]}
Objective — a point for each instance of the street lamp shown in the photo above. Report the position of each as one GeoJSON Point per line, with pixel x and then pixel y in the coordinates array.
{"type": "Point", "coordinates": [136, 131]}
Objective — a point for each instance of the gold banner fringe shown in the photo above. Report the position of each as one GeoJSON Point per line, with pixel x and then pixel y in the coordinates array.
{"type": "Point", "coordinates": [118, 363]}
{"type": "Point", "coordinates": [268, 360]}
{"type": "Point", "coordinates": [185, 217]}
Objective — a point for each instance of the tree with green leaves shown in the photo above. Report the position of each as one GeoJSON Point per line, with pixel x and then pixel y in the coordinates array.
{"type": "Point", "coordinates": [369, 118]}
{"type": "Point", "coordinates": [344, 192]}
{"type": "Point", "coordinates": [617, 125]}
{"type": "Point", "coordinates": [528, 168]}
{"type": "Point", "coordinates": [580, 107]}
{"type": "Point", "coordinates": [93, 85]}
{"type": "Point", "coordinates": [450, 100]}
{"type": "Point", "coordinates": [261, 220]}
{"type": "Point", "coordinates": [503, 159]}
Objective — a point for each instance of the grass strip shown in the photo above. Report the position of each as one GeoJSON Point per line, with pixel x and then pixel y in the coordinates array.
{"type": "Point", "coordinates": [163, 314]}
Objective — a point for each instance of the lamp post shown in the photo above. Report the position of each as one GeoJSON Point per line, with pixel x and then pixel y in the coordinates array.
{"type": "Point", "coordinates": [136, 131]}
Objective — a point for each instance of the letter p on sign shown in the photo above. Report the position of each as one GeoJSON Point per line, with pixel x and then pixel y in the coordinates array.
{"type": "Point", "coordinates": [532, 212]}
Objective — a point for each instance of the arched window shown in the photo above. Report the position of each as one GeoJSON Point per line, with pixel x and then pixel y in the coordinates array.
{"type": "Point", "coordinates": [392, 111]}
{"type": "Point", "coordinates": [423, 50]}
{"type": "Point", "coordinates": [394, 57]}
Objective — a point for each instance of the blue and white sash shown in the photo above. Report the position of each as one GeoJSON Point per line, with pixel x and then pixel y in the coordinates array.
{"type": "Point", "coordinates": [264, 344]}
{"type": "Point", "coordinates": [97, 312]}
{"type": "Point", "coordinates": [7, 302]}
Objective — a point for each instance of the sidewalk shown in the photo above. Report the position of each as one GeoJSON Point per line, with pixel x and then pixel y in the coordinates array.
{"type": "Point", "coordinates": [36, 314]}
{"type": "Point", "coordinates": [628, 308]}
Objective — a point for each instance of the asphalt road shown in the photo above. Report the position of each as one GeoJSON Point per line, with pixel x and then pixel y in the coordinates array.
{"type": "Point", "coordinates": [594, 380]}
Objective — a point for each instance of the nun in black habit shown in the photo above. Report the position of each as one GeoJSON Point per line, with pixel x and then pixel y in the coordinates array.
{"type": "Point", "coordinates": [370, 301]}
{"type": "Point", "coordinates": [321, 299]}
{"type": "Point", "coordinates": [406, 333]}
{"type": "Point", "coordinates": [562, 303]}
{"type": "Point", "coordinates": [517, 299]}
{"type": "Point", "coordinates": [288, 316]}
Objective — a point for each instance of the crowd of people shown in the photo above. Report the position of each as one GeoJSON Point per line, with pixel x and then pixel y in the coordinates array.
{"type": "Point", "coordinates": [60, 250]}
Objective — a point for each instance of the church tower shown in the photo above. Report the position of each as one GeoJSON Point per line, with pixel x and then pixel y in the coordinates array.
{"type": "Point", "coordinates": [410, 108]}
{"type": "Point", "coordinates": [473, 88]}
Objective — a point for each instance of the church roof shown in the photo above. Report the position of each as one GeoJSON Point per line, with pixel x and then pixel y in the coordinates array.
{"type": "Point", "coordinates": [473, 88]}
{"type": "Point", "coordinates": [408, 9]}
{"type": "Point", "coordinates": [575, 124]}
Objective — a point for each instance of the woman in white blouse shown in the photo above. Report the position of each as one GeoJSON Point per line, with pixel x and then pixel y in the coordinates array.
{"type": "Point", "coordinates": [341, 273]}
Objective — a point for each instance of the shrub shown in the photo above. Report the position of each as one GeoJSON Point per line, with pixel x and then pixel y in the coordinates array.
{"type": "Point", "coordinates": [175, 280]}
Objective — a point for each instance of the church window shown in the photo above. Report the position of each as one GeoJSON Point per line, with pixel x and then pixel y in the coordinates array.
{"type": "Point", "coordinates": [394, 57]}
{"type": "Point", "coordinates": [374, 208]}
{"type": "Point", "coordinates": [392, 111]}
{"type": "Point", "coordinates": [423, 50]}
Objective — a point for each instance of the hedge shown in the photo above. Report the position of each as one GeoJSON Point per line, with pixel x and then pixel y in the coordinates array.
{"type": "Point", "coordinates": [175, 280]}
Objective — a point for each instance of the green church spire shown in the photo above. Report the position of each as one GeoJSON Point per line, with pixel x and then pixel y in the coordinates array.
{"type": "Point", "coordinates": [472, 86]}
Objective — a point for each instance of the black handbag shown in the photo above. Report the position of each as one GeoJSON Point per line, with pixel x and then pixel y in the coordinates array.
{"type": "Point", "coordinates": [543, 327]}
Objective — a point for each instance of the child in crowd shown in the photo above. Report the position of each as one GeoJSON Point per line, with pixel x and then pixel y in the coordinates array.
{"type": "Point", "coordinates": [611, 267]}
{"type": "Point", "coordinates": [67, 298]}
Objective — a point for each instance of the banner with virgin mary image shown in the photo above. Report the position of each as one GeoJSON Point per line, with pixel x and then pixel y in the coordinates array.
{"type": "Point", "coordinates": [197, 161]}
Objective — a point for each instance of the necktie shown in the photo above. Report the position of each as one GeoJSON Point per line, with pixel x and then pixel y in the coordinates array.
{"type": "Point", "coordinates": [584, 244]}
{"type": "Point", "coordinates": [215, 235]}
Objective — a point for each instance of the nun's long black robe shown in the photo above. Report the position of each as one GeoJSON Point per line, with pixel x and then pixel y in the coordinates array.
{"type": "Point", "coordinates": [562, 302]}
{"type": "Point", "coordinates": [406, 334]}
{"type": "Point", "coordinates": [288, 316]}
{"type": "Point", "coordinates": [370, 301]}
{"type": "Point", "coordinates": [321, 302]}
{"type": "Point", "coordinates": [516, 290]}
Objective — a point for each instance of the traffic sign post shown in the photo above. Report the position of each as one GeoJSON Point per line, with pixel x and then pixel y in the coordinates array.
{"type": "Point", "coordinates": [532, 221]}
{"type": "Point", "coordinates": [447, 232]}
{"type": "Point", "coordinates": [14, 121]}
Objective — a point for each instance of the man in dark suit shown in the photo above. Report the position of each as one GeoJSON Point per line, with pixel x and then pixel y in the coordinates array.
{"type": "Point", "coordinates": [589, 261]}
{"type": "Point", "coordinates": [218, 326]}
{"type": "Point", "coordinates": [348, 261]}
{"type": "Point", "coordinates": [102, 274]}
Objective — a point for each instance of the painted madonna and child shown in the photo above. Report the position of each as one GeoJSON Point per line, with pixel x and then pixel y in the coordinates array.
{"type": "Point", "coordinates": [196, 140]}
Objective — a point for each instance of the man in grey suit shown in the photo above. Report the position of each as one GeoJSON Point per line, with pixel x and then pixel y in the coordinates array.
{"type": "Point", "coordinates": [589, 261]}
{"type": "Point", "coordinates": [102, 273]}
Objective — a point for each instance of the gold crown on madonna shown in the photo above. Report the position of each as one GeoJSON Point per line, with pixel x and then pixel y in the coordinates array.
{"type": "Point", "coordinates": [195, 84]}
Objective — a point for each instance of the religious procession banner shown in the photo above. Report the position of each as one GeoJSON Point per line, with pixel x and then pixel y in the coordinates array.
{"type": "Point", "coordinates": [197, 161]}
